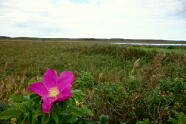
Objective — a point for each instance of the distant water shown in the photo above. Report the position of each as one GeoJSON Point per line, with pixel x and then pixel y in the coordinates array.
{"type": "Point", "coordinates": [151, 44]}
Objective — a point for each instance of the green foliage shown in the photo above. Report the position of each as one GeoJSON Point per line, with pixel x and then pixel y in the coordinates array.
{"type": "Point", "coordinates": [132, 84]}
{"type": "Point", "coordinates": [180, 118]}
{"type": "Point", "coordinates": [3, 106]}
{"type": "Point", "coordinates": [85, 80]}
{"type": "Point", "coordinates": [175, 86]}
{"type": "Point", "coordinates": [28, 110]}
{"type": "Point", "coordinates": [112, 81]}
{"type": "Point", "coordinates": [108, 98]}
{"type": "Point", "coordinates": [171, 47]}
{"type": "Point", "coordinates": [103, 119]}
{"type": "Point", "coordinates": [132, 101]}
{"type": "Point", "coordinates": [145, 121]}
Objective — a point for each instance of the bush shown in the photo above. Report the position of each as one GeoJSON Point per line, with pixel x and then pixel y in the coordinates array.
{"type": "Point", "coordinates": [27, 109]}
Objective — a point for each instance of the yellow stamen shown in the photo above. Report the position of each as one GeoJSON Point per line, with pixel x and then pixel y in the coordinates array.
{"type": "Point", "coordinates": [53, 92]}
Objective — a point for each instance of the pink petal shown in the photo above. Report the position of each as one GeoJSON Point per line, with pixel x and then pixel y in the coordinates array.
{"type": "Point", "coordinates": [162, 93]}
{"type": "Point", "coordinates": [50, 78]}
{"type": "Point", "coordinates": [38, 88]}
{"type": "Point", "coordinates": [46, 105]}
{"type": "Point", "coordinates": [66, 79]}
{"type": "Point", "coordinates": [68, 76]}
{"type": "Point", "coordinates": [65, 94]}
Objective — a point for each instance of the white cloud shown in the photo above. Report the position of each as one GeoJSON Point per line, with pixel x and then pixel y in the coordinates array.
{"type": "Point", "coordinates": [95, 18]}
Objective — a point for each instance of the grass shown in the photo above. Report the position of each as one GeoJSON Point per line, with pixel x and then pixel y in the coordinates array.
{"type": "Point", "coordinates": [126, 80]}
{"type": "Point", "coordinates": [166, 49]}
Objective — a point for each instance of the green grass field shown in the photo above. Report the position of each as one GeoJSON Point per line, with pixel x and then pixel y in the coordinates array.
{"type": "Point", "coordinates": [122, 82]}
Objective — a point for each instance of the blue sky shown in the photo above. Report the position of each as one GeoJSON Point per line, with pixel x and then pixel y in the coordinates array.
{"type": "Point", "coordinates": [137, 19]}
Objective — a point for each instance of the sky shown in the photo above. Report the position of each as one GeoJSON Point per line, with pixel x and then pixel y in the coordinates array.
{"type": "Point", "coordinates": [134, 19]}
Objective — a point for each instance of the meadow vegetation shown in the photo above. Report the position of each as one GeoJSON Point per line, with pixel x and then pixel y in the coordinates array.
{"type": "Point", "coordinates": [127, 84]}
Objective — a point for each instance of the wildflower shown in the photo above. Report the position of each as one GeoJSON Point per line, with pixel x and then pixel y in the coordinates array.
{"type": "Point", "coordinates": [162, 93]}
{"type": "Point", "coordinates": [53, 88]}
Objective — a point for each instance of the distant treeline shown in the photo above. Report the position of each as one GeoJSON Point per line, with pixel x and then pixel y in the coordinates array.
{"type": "Point", "coordinates": [87, 39]}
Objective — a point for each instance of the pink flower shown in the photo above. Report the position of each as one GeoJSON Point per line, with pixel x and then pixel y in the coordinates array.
{"type": "Point", "coordinates": [162, 92]}
{"type": "Point", "coordinates": [53, 88]}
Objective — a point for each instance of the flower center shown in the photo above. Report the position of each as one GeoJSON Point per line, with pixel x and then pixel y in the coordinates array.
{"type": "Point", "coordinates": [53, 92]}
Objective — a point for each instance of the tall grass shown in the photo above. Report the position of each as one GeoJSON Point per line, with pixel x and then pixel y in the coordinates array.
{"type": "Point", "coordinates": [121, 75]}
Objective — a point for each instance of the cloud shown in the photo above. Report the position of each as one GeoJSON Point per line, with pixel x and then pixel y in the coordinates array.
{"type": "Point", "coordinates": [94, 18]}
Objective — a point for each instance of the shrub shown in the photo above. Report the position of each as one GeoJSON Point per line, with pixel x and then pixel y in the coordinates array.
{"type": "Point", "coordinates": [27, 109]}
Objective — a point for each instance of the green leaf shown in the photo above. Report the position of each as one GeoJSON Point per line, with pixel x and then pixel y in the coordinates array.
{"type": "Point", "coordinates": [45, 118]}
{"type": "Point", "coordinates": [3, 106]}
{"type": "Point", "coordinates": [72, 119]}
{"type": "Point", "coordinates": [145, 121]}
{"type": "Point", "coordinates": [86, 111]}
{"type": "Point", "coordinates": [18, 98]}
{"type": "Point", "coordinates": [180, 118]}
{"type": "Point", "coordinates": [103, 119]}
{"type": "Point", "coordinates": [56, 118]}
{"type": "Point", "coordinates": [9, 113]}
